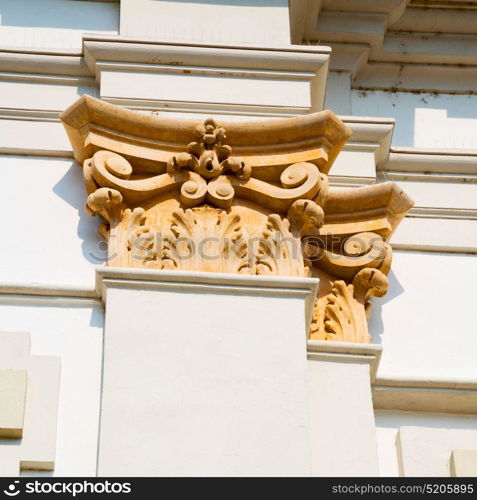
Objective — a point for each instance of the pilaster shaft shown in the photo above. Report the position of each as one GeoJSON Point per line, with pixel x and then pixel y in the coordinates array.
{"type": "Point", "coordinates": [343, 433]}
{"type": "Point", "coordinates": [204, 374]}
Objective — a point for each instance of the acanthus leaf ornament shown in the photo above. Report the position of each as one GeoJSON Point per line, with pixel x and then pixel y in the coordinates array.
{"type": "Point", "coordinates": [341, 315]}
{"type": "Point", "coordinates": [252, 197]}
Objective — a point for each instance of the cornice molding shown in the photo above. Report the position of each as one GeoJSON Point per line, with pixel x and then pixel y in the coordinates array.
{"type": "Point", "coordinates": [346, 352]}
{"type": "Point", "coordinates": [266, 57]}
{"type": "Point", "coordinates": [397, 45]}
{"type": "Point", "coordinates": [150, 52]}
{"type": "Point", "coordinates": [44, 63]}
{"type": "Point", "coordinates": [151, 279]}
{"type": "Point", "coordinates": [400, 175]}
{"type": "Point", "coordinates": [47, 78]}
{"type": "Point", "coordinates": [443, 213]}
{"type": "Point", "coordinates": [417, 77]}
{"type": "Point", "coordinates": [349, 57]}
{"type": "Point", "coordinates": [425, 395]}
{"type": "Point", "coordinates": [370, 133]}
{"type": "Point", "coordinates": [110, 59]}
{"type": "Point", "coordinates": [111, 55]}
{"type": "Point", "coordinates": [29, 115]}
{"type": "Point", "coordinates": [107, 277]}
{"type": "Point", "coordinates": [433, 162]}
{"type": "Point", "coordinates": [46, 290]}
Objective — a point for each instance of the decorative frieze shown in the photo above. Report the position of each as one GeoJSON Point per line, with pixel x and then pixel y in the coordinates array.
{"type": "Point", "coordinates": [250, 198]}
{"type": "Point", "coordinates": [341, 314]}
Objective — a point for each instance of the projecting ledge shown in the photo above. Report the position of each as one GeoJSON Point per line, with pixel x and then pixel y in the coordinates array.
{"type": "Point", "coordinates": [193, 281]}
{"type": "Point", "coordinates": [351, 352]}
{"type": "Point", "coordinates": [425, 395]}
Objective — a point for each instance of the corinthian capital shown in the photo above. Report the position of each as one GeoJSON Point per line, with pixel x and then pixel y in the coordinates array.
{"type": "Point", "coordinates": [238, 197]}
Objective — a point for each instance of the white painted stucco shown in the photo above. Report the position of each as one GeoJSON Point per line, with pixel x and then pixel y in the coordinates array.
{"type": "Point", "coordinates": [66, 249]}
{"type": "Point", "coordinates": [338, 387]}
{"type": "Point", "coordinates": [423, 120]}
{"type": "Point", "coordinates": [71, 329]}
{"type": "Point", "coordinates": [244, 21]}
{"type": "Point", "coordinates": [44, 95]}
{"type": "Point", "coordinates": [54, 24]}
{"type": "Point", "coordinates": [428, 441]}
{"type": "Point", "coordinates": [425, 322]}
{"type": "Point", "coordinates": [216, 387]}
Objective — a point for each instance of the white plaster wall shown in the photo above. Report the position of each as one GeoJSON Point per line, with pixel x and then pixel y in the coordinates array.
{"type": "Point", "coordinates": [423, 120]}
{"type": "Point", "coordinates": [354, 164]}
{"type": "Point", "coordinates": [204, 381]}
{"type": "Point", "coordinates": [339, 388]}
{"type": "Point", "coordinates": [245, 21]}
{"type": "Point", "coordinates": [47, 237]}
{"type": "Point", "coordinates": [251, 91]}
{"type": "Point", "coordinates": [54, 24]}
{"type": "Point", "coordinates": [430, 457]}
{"type": "Point", "coordinates": [338, 96]}
{"type": "Point", "coordinates": [432, 194]}
{"type": "Point", "coordinates": [446, 234]}
{"type": "Point", "coordinates": [25, 136]}
{"type": "Point", "coordinates": [41, 95]}
{"type": "Point", "coordinates": [73, 330]}
{"type": "Point", "coordinates": [426, 322]}
{"type": "Point", "coordinates": [28, 111]}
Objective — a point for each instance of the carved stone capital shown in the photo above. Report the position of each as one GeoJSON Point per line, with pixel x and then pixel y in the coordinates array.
{"type": "Point", "coordinates": [341, 314]}
{"type": "Point", "coordinates": [247, 198]}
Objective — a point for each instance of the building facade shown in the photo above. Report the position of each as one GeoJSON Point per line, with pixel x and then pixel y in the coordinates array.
{"type": "Point", "coordinates": [238, 238]}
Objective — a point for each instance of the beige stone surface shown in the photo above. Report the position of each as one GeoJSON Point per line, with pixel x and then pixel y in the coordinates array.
{"type": "Point", "coordinates": [463, 463]}
{"type": "Point", "coordinates": [340, 314]}
{"type": "Point", "coordinates": [151, 140]}
{"type": "Point", "coordinates": [13, 386]}
{"type": "Point", "coordinates": [248, 197]}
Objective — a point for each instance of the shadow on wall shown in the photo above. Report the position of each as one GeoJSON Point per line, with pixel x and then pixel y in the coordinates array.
{"type": "Point", "coordinates": [97, 318]}
{"type": "Point", "coordinates": [375, 323]}
{"type": "Point", "coordinates": [71, 189]}
{"type": "Point", "coordinates": [80, 15]}
{"type": "Point", "coordinates": [86, 90]}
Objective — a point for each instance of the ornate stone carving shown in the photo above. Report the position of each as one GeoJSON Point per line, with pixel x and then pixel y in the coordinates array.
{"type": "Point", "coordinates": [344, 257]}
{"type": "Point", "coordinates": [238, 198]}
{"type": "Point", "coordinates": [200, 238]}
{"type": "Point", "coordinates": [208, 239]}
{"type": "Point", "coordinates": [209, 157]}
{"type": "Point", "coordinates": [341, 315]}
{"type": "Point", "coordinates": [298, 181]}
